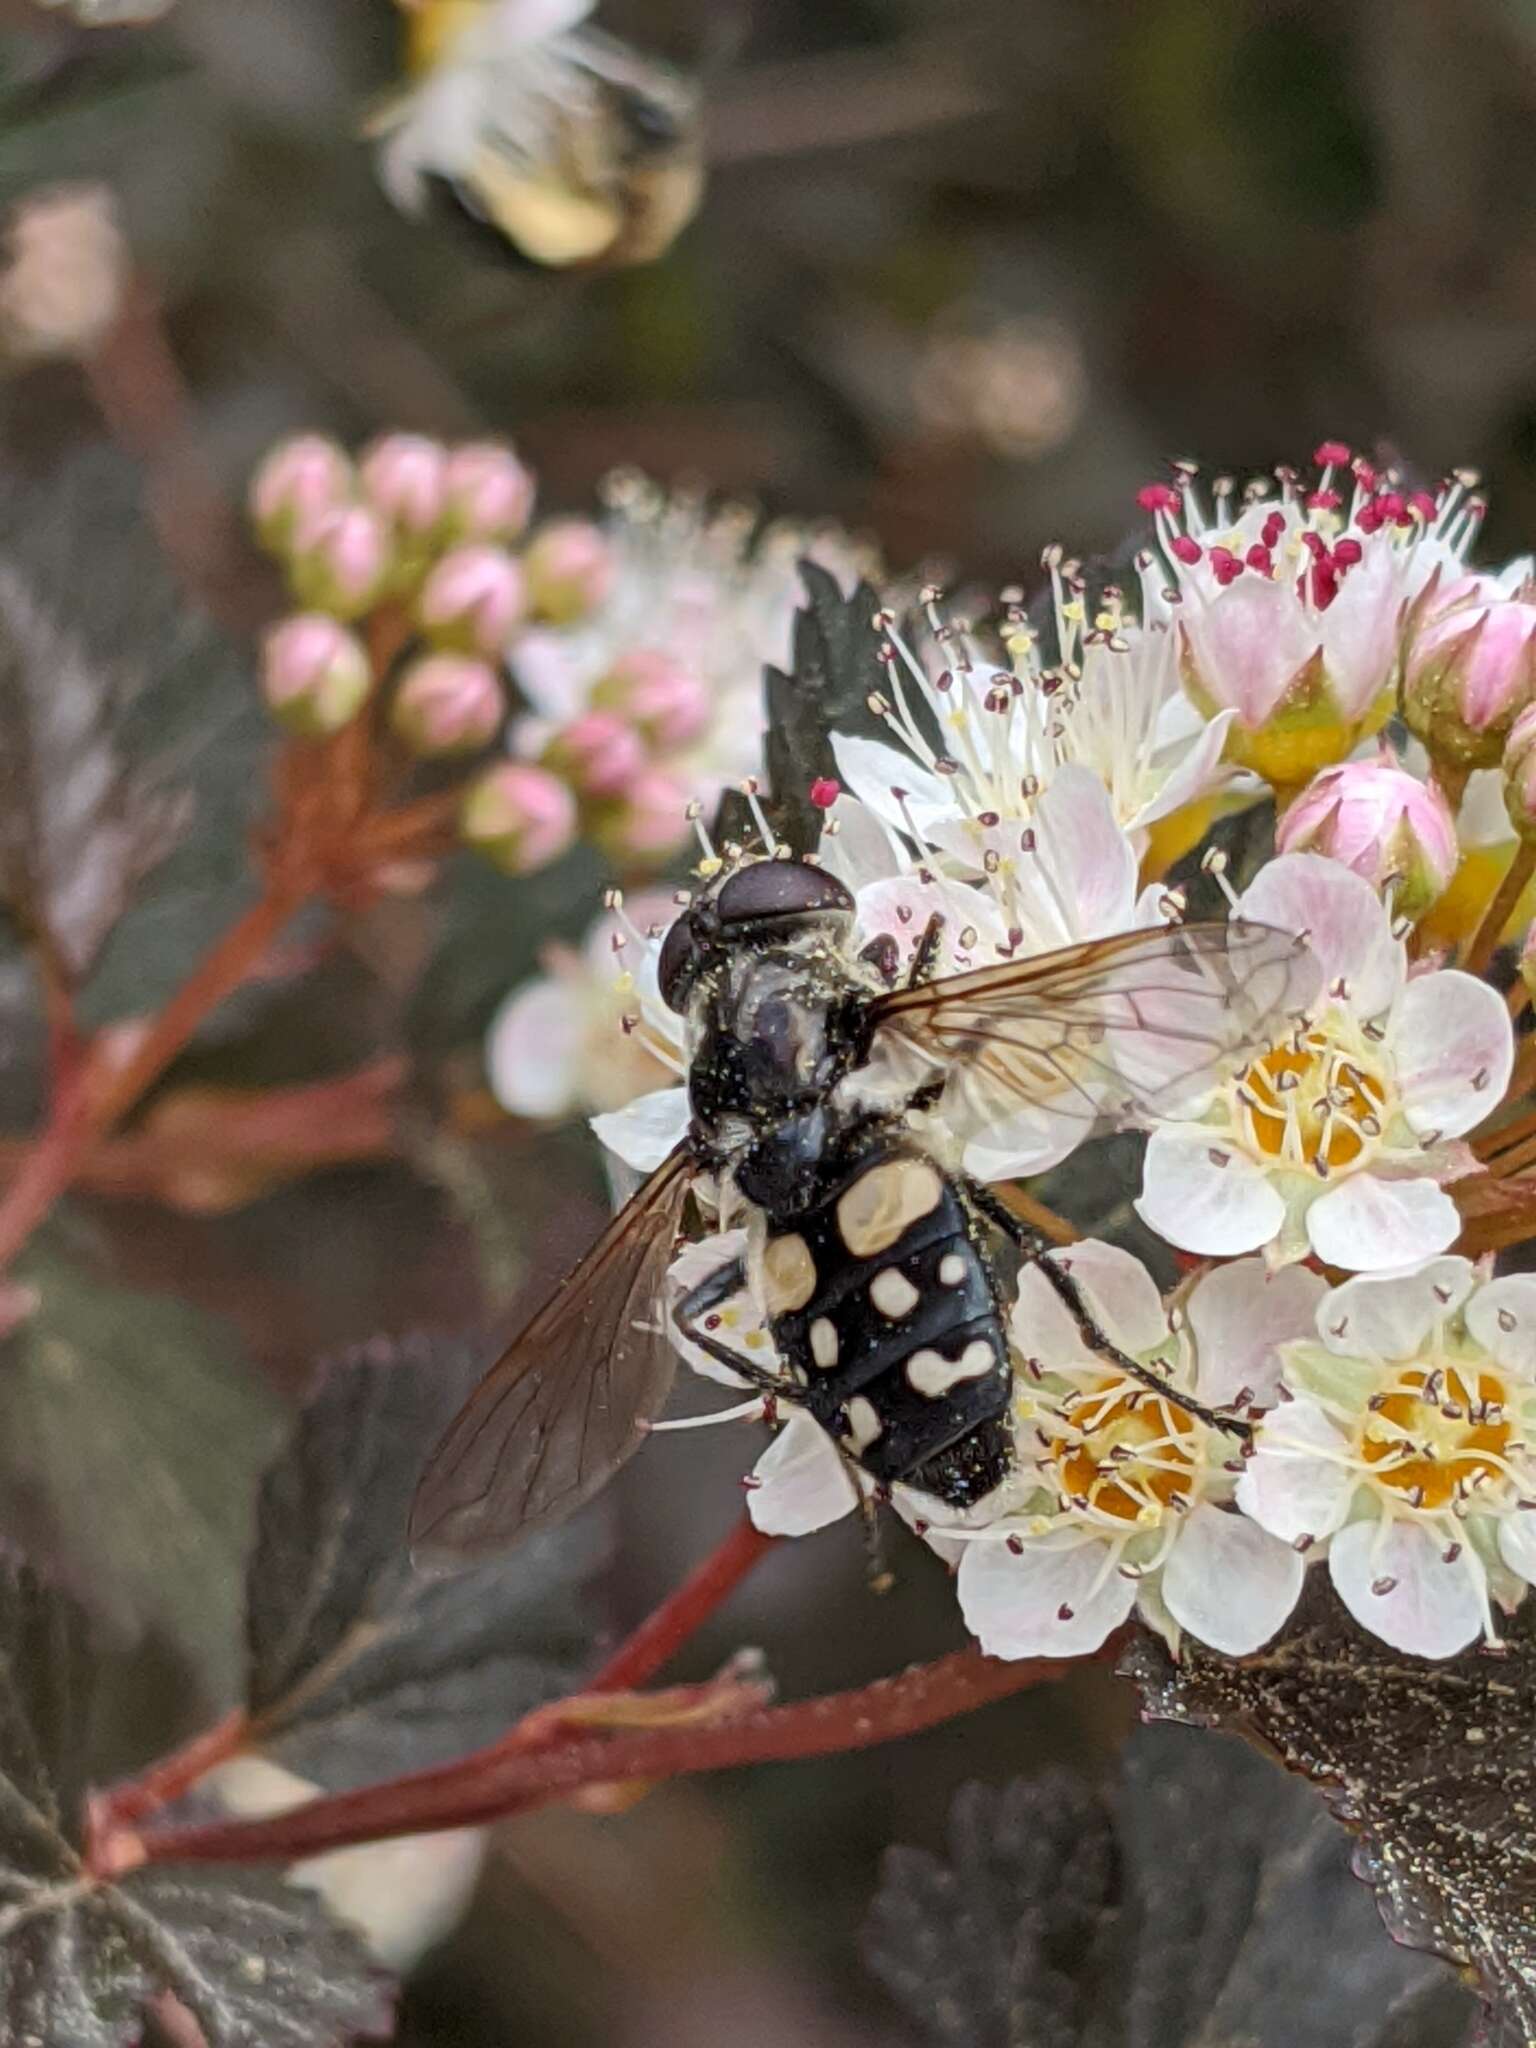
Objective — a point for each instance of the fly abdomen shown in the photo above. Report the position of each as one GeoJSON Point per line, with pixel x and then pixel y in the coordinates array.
{"type": "Point", "coordinates": [884, 1306]}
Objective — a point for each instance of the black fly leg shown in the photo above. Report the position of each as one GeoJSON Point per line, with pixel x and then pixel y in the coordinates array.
{"type": "Point", "coordinates": [1034, 1248]}
{"type": "Point", "coordinates": [717, 1287]}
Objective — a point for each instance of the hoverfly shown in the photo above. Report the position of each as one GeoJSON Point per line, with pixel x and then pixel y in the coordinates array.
{"type": "Point", "coordinates": [831, 1099]}
{"type": "Point", "coordinates": [563, 142]}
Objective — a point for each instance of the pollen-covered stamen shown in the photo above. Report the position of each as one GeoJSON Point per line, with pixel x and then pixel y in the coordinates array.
{"type": "Point", "coordinates": [1118, 1454]}
{"type": "Point", "coordinates": [1317, 1101]}
{"type": "Point", "coordinates": [1436, 1432]}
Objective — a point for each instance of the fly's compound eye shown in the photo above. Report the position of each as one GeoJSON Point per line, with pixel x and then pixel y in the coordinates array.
{"type": "Point", "coordinates": [771, 891]}
{"type": "Point", "coordinates": [678, 963]}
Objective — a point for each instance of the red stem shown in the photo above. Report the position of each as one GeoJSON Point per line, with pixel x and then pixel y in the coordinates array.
{"type": "Point", "coordinates": [166, 1780]}
{"type": "Point", "coordinates": [664, 1631]}
{"type": "Point", "coordinates": [499, 1781]}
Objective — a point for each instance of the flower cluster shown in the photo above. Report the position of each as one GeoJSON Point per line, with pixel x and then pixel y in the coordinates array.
{"type": "Point", "coordinates": [617, 662]}
{"type": "Point", "coordinates": [1337, 1380]}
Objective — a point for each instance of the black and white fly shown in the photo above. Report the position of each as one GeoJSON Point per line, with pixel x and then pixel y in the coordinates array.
{"type": "Point", "coordinates": [834, 1101]}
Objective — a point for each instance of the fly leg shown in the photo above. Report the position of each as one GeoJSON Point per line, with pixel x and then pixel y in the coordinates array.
{"type": "Point", "coordinates": [1034, 1248]}
{"type": "Point", "coordinates": [926, 952]}
{"type": "Point", "coordinates": [711, 1291]}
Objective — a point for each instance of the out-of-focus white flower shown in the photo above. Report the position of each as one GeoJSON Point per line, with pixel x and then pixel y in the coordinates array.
{"type": "Point", "coordinates": [402, 1897]}
{"type": "Point", "coordinates": [65, 272]}
{"type": "Point", "coordinates": [975, 743]}
{"type": "Point", "coordinates": [1290, 607]}
{"type": "Point", "coordinates": [1406, 1447]}
{"type": "Point", "coordinates": [591, 1033]}
{"type": "Point", "coordinates": [1121, 1499]}
{"type": "Point", "coordinates": [1337, 1140]}
{"type": "Point", "coordinates": [704, 593]}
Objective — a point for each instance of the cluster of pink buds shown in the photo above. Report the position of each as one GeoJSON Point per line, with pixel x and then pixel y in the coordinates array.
{"type": "Point", "coordinates": [1289, 597]}
{"type": "Point", "coordinates": [415, 576]}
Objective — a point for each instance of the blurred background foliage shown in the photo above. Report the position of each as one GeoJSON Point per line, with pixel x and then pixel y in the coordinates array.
{"type": "Point", "coordinates": [963, 278]}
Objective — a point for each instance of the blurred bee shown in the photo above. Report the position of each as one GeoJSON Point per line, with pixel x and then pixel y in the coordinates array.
{"type": "Point", "coordinates": [567, 143]}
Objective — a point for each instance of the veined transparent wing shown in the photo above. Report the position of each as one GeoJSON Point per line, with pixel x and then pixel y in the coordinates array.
{"type": "Point", "coordinates": [567, 1401]}
{"type": "Point", "coordinates": [1110, 1033]}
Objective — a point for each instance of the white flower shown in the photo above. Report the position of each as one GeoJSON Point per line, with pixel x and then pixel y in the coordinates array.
{"type": "Point", "coordinates": [1122, 1498]}
{"type": "Point", "coordinates": [975, 743]}
{"type": "Point", "coordinates": [707, 593]}
{"type": "Point", "coordinates": [591, 1032]}
{"type": "Point", "coordinates": [1292, 605]}
{"type": "Point", "coordinates": [1407, 1449]}
{"type": "Point", "coordinates": [1337, 1140]}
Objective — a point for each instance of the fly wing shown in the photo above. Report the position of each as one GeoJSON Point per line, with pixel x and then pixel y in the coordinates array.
{"type": "Point", "coordinates": [1107, 1034]}
{"type": "Point", "coordinates": [568, 1400]}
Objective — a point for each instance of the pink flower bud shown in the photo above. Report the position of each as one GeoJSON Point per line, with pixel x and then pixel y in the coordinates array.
{"type": "Point", "coordinates": [648, 824]}
{"type": "Point", "coordinates": [598, 753]}
{"type": "Point", "coordinates": [519, 817]}
{"type": "Point", "coordinates": [342, 564]}
{"type": "Point", "coordinates": [472, 598]}
{"type": "Point", "coordinates": [299, 483]}
{"type": "Point", "coordinates": [404, 478]}
{"type": "Point", "coordinates": [448, 704]}
{"type": "Point", "coordinates": [1382, 822]}
{"type": "Point", "coordinates": [1519, 768]}
{"type": "Point", "coordinates": [569, 566]}
{"type": "Point", "coordinates": [666, 701]}
{"type": "Point", "coordinates": [1470, 671]}
{"type": "Point", "coordinates": [489, 492]}
{"type": "Point", "coordinates": [315, 675]}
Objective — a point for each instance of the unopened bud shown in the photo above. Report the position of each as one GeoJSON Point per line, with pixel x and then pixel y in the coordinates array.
{"type": "Point", "coordinates": [1382, 822]}
{"type": "Point", "coordinates": [489, 492]}
{"type": "Point", "coordinates": [1519, 774]}
{"type": "Point", "coordinates": [315, 675]}
{"type": "Point", "coordinates": [519, 817]}
{"type": "Point", "coordinates": [471, 599]}
{"type": "Point", "coordinates": [342, 564]}
{"type": "Point", "coordinates": [404, 478]}
{"type": "Point", "coordinates": [647, 824]}
{"type": "Point", "coordinates": [299, 484]}
{"type": "Point", "coordinates": [569, 566]}
{"type": "Point", "coordinates": [1470, 672]}
{"type": "Point", "coordinates": [597, 753]}
{"type": "Point", "coordinates": [666, 701]}
{"type": "Point", "coordinates": [448, 704]}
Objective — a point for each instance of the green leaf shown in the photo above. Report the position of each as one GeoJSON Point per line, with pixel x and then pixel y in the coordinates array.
{"type": "Point", "coordinates": [1433, 1765]}
{"type": "Point", "coordinates": [256, 1962]}
{"type": "Point", "coordinates": [361, 1667]}
{"type": "Point", "coordinates": [133, 1431]}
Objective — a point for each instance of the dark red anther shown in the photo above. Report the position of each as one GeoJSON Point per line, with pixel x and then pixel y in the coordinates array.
{"type": "Point", "coordinates": [1184, 550]}
{"type": "Point", "coordinates": [1330, 454]}
{"type": "Point", "coordinates": [1225, 566]}
{"type": "Point", "coordinates": [1272, 529]}
{"type": "Point", "coordinates": [1324, 501]}
{"type": "Point", "coordinates": [1261, 559]}
{"type": "Point", "coordinates": [1423, 503]}
{"type": "Point", "coordinates": [1346, 553]}
{"type": "Point", "coordinates": [825, 791]}
{"type": "Point", "coordinates": [1158, 498]}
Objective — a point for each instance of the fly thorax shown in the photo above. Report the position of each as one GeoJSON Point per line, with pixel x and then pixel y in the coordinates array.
{"type": "Point", "coordinates": [762, 1036]}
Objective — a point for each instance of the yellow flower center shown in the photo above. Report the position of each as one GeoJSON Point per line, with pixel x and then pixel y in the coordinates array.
{"type": "Point", "coordinates": [1126, 1452]}
{"type": "Point", "coordinates": [1437, 1431]}
{"type": "Point", "coordinates": [1313, 1102]}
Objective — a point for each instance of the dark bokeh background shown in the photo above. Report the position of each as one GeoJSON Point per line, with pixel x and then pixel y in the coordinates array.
{"type": "Point", "coordinates": [964, 277]}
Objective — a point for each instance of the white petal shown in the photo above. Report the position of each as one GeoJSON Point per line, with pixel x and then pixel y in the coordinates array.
{"type": "Point", "coordinates": [1453, 1046]}
{"type": "Point", "coordinates": [1247, 642]}
{"type": "Point", "coordinates": [1347, 928]}
{"type": "Point", "coordinates": [1204, 1196]}
{"type": "Point", "coordinates": [1198, 770]}
{"type": "Point", "coordinates": [861, 850]}
{"type": "Point", "coordinates": [873, 770]}
{"type": "Point", "coordinates": [1053, 1600]}
{"type": "Point", "coordinates": [1030, 1141]}
{"type": "Point", "coordinates": [533, 1050]}
{"type": "Point", "coordinates": [1367, 1224]}
{"type": "Point", "coordinates": [1120, 1291]}
{"type": "Point", "coordinates": [802, 1482]}
{"type": "Point", "coordinates": [1238, 1315]}
{"type": "Point", "coordinates": [1502, 1317]}
{"type": "Point", "coordinates": [1083, 855]}
{"type": "Point", "coordinates": [555, 672]}
{"type": "Point", "coordinates": [1390, 1315]}
{"type": "Point", "coordinates": [1228, 1582]}
{"type": "Point", "coordinates": [1430, 1608]}
{"type": "Point", "coordinates": [902, 907]}
{"type": "Point", "coordinates": [1042, 1324]}
{"type": "Point", "coordinates": [1517, 1542]}
{"type": "Point", "coordinates": [646, 1130]}
{"type": "Point", "coordinates": [1296, 1483]}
